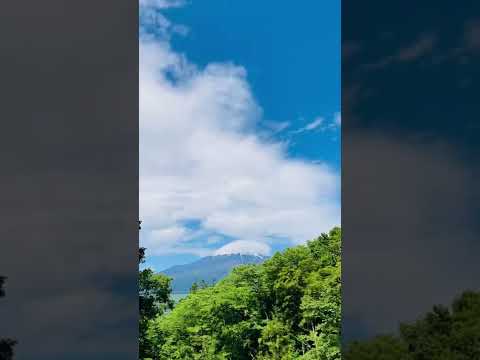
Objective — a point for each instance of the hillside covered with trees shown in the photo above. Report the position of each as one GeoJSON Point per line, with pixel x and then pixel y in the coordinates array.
{"type": "Point", "coordinates": [287, 308]}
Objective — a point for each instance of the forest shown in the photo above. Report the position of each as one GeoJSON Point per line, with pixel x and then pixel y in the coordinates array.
{"type": "Point", "coordinates": [287, 308]}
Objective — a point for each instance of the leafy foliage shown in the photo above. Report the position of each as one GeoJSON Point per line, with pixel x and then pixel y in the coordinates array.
{"type": "Point", "coordinates": [443, 333]}
{"type": "Point", "coordinates": [154, 300]}
{"type": "Point", "coordinates": [286, 308]}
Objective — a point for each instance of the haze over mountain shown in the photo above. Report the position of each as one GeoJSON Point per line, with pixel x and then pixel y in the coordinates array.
{"type": "Point", "coordinates": [209, 269]}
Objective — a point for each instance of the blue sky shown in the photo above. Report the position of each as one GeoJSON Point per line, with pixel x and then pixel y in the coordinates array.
{"type": "Point", "coordinates": [245, 82]}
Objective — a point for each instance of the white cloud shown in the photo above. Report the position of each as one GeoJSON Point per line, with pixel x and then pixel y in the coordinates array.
{"type": "Point", "coordinates": [244, 247]}
{"type": "Point", "coordinates": [317, 122]}
{"type": "Point", "coordinates": [167, 235]}
{"type": "Point", "coordinates": [214, 239]}
{"type": "Point", "coordinates": [153, 24]}
{"type": "Point", "coordinates": [201, 159]}
{"type": "Point", "coordinates": [335, 124]}
{"type": "Point", "coordinates": [172, 240]}
{"type": "Point", "coordinates": [314, 124]}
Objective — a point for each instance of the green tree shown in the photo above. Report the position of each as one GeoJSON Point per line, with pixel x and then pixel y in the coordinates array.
{"type": "Point", "coordinates": [154, 300]}
{"type": "Point", "coordinates": [385, 347]}
{"type": "Point", "coordinates": [287, 308]}
{"type": "Point", "coordinates": [443, 333]}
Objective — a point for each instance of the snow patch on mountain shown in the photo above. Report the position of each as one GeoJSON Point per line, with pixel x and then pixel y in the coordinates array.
{"type": "Point", "coordinates": [244, 247]}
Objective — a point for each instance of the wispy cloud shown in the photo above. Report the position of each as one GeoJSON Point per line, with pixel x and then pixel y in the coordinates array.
{"type": "Point", "coordinates": [277, 126]}
{"type": "Point", "coordinates": [320, 124]}
{"type": "Point", "coordinates": [316, 123]}
{"type": "Point", "coordinates": [201, 159]}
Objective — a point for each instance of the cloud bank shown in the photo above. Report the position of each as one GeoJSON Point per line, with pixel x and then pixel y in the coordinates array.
{"type": "Point", "coordinates": [202, 162]}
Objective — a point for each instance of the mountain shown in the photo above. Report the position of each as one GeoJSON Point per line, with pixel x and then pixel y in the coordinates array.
{"type": "Point", "coordinates": [209, 269]}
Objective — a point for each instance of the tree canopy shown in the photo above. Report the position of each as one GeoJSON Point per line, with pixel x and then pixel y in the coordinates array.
{"type": "Point", "coordinates": [154, 300]}
{"type": "Point", "coordinates": [286, 308]}
{"type": "Point", "coordinates": [443, 333]}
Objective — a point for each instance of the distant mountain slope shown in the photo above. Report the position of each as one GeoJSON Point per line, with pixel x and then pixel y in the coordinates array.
{"type": "Point", "coordinates": [210, 269]}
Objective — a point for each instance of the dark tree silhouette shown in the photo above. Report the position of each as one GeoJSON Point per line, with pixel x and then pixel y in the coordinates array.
{"type": "Point", "coordinates": [6, 345]}
{"type": "Point", "coordinates": [443, 333]}
{"type": "Point", "coordinates": [2, 284]}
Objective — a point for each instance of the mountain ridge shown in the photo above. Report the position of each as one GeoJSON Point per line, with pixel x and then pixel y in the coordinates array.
{"type": "Point", "coordinates": [209, 269]}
